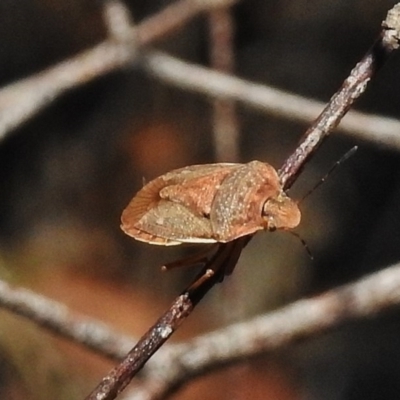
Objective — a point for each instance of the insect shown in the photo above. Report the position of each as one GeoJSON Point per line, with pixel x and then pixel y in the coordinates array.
{"type": "Point", "coordinates": [210, 203]}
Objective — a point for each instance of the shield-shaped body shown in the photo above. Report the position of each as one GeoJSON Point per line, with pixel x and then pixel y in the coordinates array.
{"type": "Point", "coordinates": [209, 203]}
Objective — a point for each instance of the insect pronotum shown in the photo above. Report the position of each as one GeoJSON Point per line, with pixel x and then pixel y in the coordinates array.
{"type": "Point", "coordinates": [211, 203]}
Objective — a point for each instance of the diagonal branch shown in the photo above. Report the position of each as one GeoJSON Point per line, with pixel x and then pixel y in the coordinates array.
{"type": "Point", "coordinates": [228, 253]}
{"type": "Point", "coordinates": [353, 87]}
{"type": "Point", "coordinates": [111, 55]}
{"type": "Point", "coordinates": [298, 321]}
{"type": "Point", "coordinates": [380, 130]}
{"type": "Point", "coordinates": [22, 100]}
{"type": "Point", "coordinates": [119, 377]}
{"type": "Point", "coordinates": [59, 320]}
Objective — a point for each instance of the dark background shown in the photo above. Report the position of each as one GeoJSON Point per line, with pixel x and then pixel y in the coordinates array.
{"type": "Point", "coordinates": [66, 175]}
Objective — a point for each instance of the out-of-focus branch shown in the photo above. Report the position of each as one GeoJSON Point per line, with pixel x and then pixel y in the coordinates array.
{"type": "Point", "coordinates": [177, 364]}
{"type": "Point", "coordinates": [174, 16]}
{"type": "Point", "coordinates": [374, 128]}
{"type": "Point", "coordinates": [352, 88]}
{"type": "Point", "coordinates": [301, 320]}
{"type": "Point", "coordinates": [58, 319]}
{"type": "Point", "coordinates": [222, 58]}
{"type": "Point", "coordinates": [22, 100]}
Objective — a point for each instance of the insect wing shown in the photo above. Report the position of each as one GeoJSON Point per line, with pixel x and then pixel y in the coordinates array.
{"type": "Point", "coordinates": [176, 223]}
{"type": "Point", "coordinates": [180, 215]}
{"type": "Point", "coordinates": [197, 192]}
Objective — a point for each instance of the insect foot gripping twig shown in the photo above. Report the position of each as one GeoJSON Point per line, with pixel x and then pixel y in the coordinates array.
{"type": "Point", "coordinates": [199, 258]}
{"type": "Point", "coordinates": [222, 263]}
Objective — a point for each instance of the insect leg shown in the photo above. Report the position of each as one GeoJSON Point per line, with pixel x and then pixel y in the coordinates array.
{"type": "Point", "coordinates": [199, 281]}
{"type": "Point", "coordinates": [233, 257]}
{"type": "Point", "coordinates": [212, 265]}
{"type": "Point", "coordinates": [223, 261]}
{"type": "Point", "coordinates": [198, 258]}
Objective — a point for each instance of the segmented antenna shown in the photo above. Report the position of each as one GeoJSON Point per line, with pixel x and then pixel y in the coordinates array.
{"type": "Point", "coordinates": [331, 169]}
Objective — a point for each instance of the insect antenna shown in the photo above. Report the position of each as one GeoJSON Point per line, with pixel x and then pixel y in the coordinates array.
{"type": "Point", "coordinates": [345, 157]}
{"type": "Point", "coordinates": [304, 243]}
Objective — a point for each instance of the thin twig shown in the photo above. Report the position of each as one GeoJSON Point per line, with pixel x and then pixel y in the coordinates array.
{"type": "Point", "coordinates": [173, 17]}
{"type": "Point", "coordinates": [118, 378]}
{"type": "Point", "coordinates": [225, 121]}
{"type": "Point", "coordinates": [58, 319]}
{"type": "Point", "coordinates": [22, 100]}
{"type": "Point", "coordinates": [121, 375]}
{"type": "Point", "coordinates": [118, 21]}
{"type": "Point", "coordinates": [300, 320]}
{"type": "Point", "coordinates": [342, 100]}
{"type": "Point", "coordinates": [87, 67]}
{"type": "Point", "coordinates": [382, 131]}
{"type": "Point", "coordinates": [171, 368]}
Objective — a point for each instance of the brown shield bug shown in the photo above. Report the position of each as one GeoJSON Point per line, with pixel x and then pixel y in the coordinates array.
{"type": "Point", "coordinates": [211, 203]}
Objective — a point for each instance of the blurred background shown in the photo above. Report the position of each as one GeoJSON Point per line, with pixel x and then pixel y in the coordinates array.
{"type": "Point", "coordinates": [67, 174]}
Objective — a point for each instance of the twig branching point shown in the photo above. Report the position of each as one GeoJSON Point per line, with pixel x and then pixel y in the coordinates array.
{"type": "Point", "coordinates": [22, 100]}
